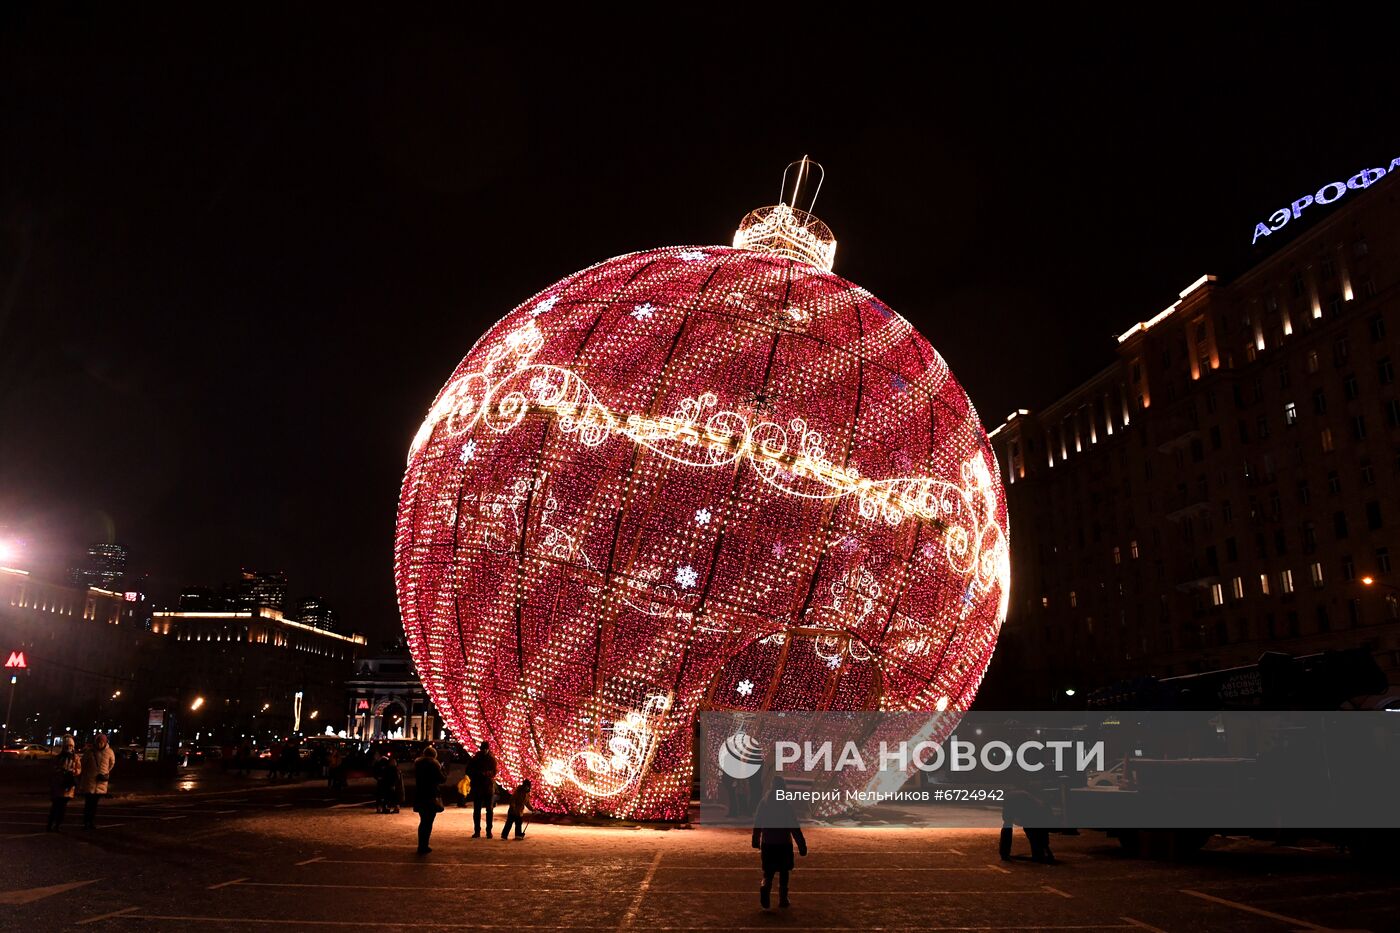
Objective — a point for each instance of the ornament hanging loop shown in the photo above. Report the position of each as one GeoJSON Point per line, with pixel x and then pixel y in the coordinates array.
{"type": "Point", "coordinates": [787, 230]}
{"type": "Point", "coordinates": [800, 178]}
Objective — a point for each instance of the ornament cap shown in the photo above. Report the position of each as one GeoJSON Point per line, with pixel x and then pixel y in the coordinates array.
{"type": "Point", "coordinates": [786, 230]}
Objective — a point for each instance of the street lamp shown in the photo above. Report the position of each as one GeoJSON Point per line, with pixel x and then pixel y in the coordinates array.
{"type": "Point", "coordinates": [9, 708]}
{"type": "Point", "coordinates": [198, 702]}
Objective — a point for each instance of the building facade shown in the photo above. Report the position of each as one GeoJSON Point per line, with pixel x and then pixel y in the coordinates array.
{"type": "Point", "coordinates": [97, 658]}
{"type": "Point", "coordinates": [1226, 485]}
{"type": "Point", "coordinates": [256, 673]}
{"type": "Point", "coordinates": [88, 655]}
{"type": "Point", "coordinates": [386, 700]}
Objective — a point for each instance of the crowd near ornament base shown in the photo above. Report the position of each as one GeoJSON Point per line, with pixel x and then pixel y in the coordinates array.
{"type": "Point", "coordinates": [693, 478]}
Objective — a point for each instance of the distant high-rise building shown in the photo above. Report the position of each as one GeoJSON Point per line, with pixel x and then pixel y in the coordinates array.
{"type": "Point", "coordinates": [205, 599]}
{"type": "Point", "coordinates": [262, 590]}
{"type": "Point", "coordinates": [314, 611]}
{"type": "Point", "coordinates": [252, 591]}
{"type": "Point", "coordinates": [103, 566]}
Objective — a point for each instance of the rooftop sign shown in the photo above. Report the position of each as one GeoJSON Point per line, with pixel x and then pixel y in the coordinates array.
{"type": "Point", "coordinates": [1332, 191]}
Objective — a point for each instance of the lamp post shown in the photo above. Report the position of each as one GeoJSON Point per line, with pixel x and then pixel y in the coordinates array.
{"type": "Point", "coordinates": [1392, 602]}
{"type": "Point", "coordinates": [13, 665]}
{"type": "Point", "coordinates": [9, 708]}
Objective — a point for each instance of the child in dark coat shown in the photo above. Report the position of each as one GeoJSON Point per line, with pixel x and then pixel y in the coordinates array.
{"type": "Point", "coordinates": [774, 831]}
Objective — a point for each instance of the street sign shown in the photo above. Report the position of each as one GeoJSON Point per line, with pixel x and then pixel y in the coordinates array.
{"type": "Point", "coordinates": [17, 660]}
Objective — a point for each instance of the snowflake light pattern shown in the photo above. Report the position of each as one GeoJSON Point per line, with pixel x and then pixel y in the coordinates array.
{"type": "Point", "coordinates": [562, 595]}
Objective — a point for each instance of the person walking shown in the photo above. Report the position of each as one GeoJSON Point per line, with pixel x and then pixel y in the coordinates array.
{"type": "Point", "coordinates": [427, 788]}
{"type": "Point", "coordinates": [98, 759]}
{"type": "Point", "coordinates": [64, 781]}
{"type": "Point", "coordinates": [515, 811]}
{"type": "Point", "coordinates": [774, 831]}
{"type": "Point", "coordinates": [483, 773]}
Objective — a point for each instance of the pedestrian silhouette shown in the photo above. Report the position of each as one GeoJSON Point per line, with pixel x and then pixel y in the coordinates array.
{"type": "Point", "coordinates": [98, 759]}
{"type": "Point", "coordinates": [482, 769]}
{"type": "Point", "coordinates": [515, 812]}
{"type": "Point", "coordinates": [64, 781]}
{"type": "Point", "coordinates": [1024, 808]}
{"type": "Point", "coordinates": [427, 800]}
{"type": "Point", "coordinates": [774, 831]}
{"type": "Point", "coordinates": [388, 785]}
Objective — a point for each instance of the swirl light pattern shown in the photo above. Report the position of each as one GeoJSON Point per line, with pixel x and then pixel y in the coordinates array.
{"type": "Point", "coordinates": [693, 478]}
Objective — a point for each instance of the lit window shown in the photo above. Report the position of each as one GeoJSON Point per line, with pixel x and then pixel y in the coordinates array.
{"type": "Point", "coordinates": [1316, 570]}
{"type": "Point", "coordinates": [1290, 413]}
{"type": "Point", "coordinates": [1264, 583]}
{"type": "Point", "coordinates": [1237, 587]}
{"type": "Point", "coordinates": [1133, 548]}
{"type": "Point", "coordinates": [1326, 440]}
{"type": "Point", "coordinates": [1117, 555]}
{"type": "Point", "coordinates": [1073, 600]}
{"type": "Point", "coordinates": [1217, 594]}
{"type": "Point", "coordinates": [1285, 581]}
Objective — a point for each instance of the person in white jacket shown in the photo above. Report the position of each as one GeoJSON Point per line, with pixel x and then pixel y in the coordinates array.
{"type": "Point", "coordinates": [98, 759]}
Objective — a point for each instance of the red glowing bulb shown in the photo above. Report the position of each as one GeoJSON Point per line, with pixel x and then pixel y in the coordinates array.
{"type": "Point", "coordinates": [684, 479]}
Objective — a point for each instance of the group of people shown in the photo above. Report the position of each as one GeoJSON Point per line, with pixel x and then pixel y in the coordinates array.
{"type": "Point", "coordinates": [775, 829]}
{"type": "Point", "coordinates": [775, 824]}
{"type": "Point", "coordinates": [284, 760]}
{"type": "Point", "coordinates": [388, 782]}
{"type": "Point", "coordinates": [75, 774]}
{"type": "Point", "coordinates": [478, 785]}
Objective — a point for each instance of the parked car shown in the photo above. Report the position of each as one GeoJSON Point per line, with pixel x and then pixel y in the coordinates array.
{"type": "Point", "coordinates": [29, 751]}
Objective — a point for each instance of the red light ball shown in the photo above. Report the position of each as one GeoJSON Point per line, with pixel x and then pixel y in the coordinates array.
{"type": "Point", "coordinates": [684, 479]}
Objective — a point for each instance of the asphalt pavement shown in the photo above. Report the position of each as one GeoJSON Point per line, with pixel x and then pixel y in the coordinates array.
{"type": "Point", "coordinates": [247, 854]}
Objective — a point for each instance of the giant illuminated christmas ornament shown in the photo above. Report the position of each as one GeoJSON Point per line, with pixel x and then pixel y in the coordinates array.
{"type": "Point", "coordinates": [695, 478]}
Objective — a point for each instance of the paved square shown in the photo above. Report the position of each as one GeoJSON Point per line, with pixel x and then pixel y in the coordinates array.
{"type": "Point", "coordinates": [298, 857]}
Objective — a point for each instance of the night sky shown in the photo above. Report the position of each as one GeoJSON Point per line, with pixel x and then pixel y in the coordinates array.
{"type": "Point", "coordinates": [238, 259]}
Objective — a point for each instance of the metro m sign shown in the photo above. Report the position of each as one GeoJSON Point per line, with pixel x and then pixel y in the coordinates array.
{"type": "Point", "coordinates": [17, 660]}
